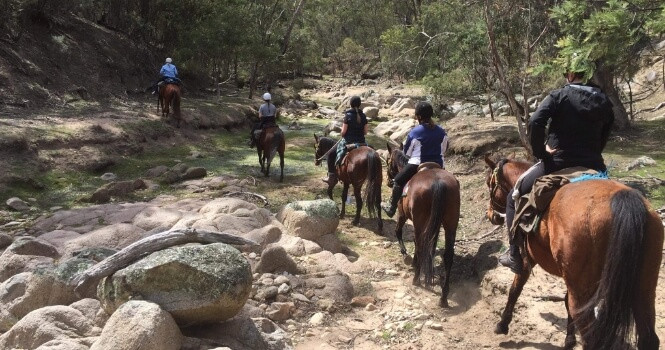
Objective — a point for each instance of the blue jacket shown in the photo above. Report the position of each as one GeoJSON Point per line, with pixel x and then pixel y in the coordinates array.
{"type": "Point", "coordinates": [169, 70]}
{"type": "Point", "coordinates": [426, 145]}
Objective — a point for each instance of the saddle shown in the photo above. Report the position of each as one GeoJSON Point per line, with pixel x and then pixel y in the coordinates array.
{"type": "Point", "coordinates": [258, 133]}
{"type": "Point", "coordinates": [530, 207]}
{"type": "Point", "coordinates": [421, 167]}
{"type": "Point", "coordinates": [342, 152]}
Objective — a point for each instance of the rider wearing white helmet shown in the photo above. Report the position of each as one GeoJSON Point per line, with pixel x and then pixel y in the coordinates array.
{"type": "Point", "coordinates": [267, 113]}
{"type": "Point", "coordinates": [169, 72]}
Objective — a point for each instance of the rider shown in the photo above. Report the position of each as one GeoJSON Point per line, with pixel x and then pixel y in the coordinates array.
{"type": "Point", "coordinates": [426, 142]}
{"type": "Point", "coordinates": [354, 129]}
{"type": "Point", "coordinates": [168, 71]}
{"type": "Point", "coordinates": [267, 113]}
{"type": "Point", "coordinates": [581, 117]}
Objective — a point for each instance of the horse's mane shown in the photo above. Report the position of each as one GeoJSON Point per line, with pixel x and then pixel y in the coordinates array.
{"type": "Point", "coordinates": [400, 158]}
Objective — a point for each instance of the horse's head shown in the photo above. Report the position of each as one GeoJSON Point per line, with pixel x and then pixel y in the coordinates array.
{"type": "Point", "coordinates": [321, 146]}
{"type": "Point", "coordinates": [395, 161]}
{"type": "Point", "coordinates": [498, 189]}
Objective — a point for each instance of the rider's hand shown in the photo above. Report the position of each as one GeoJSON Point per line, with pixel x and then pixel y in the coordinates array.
{"type": "Point", "coordinates": [550, 150]}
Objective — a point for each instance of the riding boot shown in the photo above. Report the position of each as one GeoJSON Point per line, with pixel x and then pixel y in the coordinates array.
{"type": "Point", "coordinates": [331, 179]}
{"type": "Point", "coordinates": [391, 208]}
{"type": "Point", "coordinates": [512, 257]}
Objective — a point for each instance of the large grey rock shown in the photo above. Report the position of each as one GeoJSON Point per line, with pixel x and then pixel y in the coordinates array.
{"type": "Point", "coordinates": [243, 333]}
{"type": "Point", "coordinates": [296, 246]}
{"type": "Point", "coordinates": [33, 246]}
{"type": "Point", "coordinates": [5, 240]}
{"type": "Point", "coordinates": [310, 219]}
{"type": "Point", "coordinates": [93, 310]}
{"type": "Point", "coordinates": [195, 283]}
{"type": "Point", "coordinates": [333, 285]}
{"type": "Point", "coordinates": [17, 204]}
{"type": "Point", "coordinates": [194, 173]}
{"type": "Point", "coordinates": [264, 235]}
{"type": "Point", "coordinates": [371, 112]}
{"type": "Point", "coordinates": [395, 129]}
{"type": "Point", "coordinates": [115, 236]}
{"type": "Point", "coordinates": [48, 324]}
{"type": "Point", "coordinates": [141, 325]}
{"type": "Point", "coordinates": [12, 263]}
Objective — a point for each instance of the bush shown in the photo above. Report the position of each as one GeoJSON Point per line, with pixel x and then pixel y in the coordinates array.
{"type": "Point", "coordinates": [450, 84]}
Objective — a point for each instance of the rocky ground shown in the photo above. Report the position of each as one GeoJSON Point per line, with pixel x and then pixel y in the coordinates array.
{"type": "Point", "coordinates": [316, 283]}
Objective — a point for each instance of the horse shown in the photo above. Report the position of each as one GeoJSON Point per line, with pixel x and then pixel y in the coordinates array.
{"type": "Point", "coordinates": [605, 241]}
{"type": "Point", "coordinates": [170, 94]}
{"type": "Point", "coordinates": [270, 142]}
{"type": "Point", "coordinates": [432, 201]}
{"type": "Point", "coordinates": [361, 165]}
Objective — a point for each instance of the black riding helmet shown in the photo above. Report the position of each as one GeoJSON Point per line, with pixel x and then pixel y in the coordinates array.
{"type": "Point", "coordinates": [355, 101]}
{"type": "Point", "coordinates": [424, 110]}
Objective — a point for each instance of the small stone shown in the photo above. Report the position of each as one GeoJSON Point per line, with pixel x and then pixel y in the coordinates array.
{"type": "Point", "coordinates": [399, 295]}
{"type": "Point", "coordinates": [255, 276]}
{"type": "Point", "coordinates": [291, 327]}
{"type": "Point", "coordinates": [279, 312]}
{"type": "Point", "coordinates": [281, 280]}
{"type": "Point", "coordinates": [387, 245]}
{"type": "Point", "coordinates": [362, 301]}
{"type": "Point", "coordinates": [252, 255]}
{"type": "Point", "coordinates": [309, 293]}
{"type": "Point", "coordinates": [316, 319]}
{"type": "Point", "coordinates": [392, 272]}
{"type": "Point", "coordinates": [267, 282]}
{"type": "Point", "coordinates": [418, 326]}
{"type": "Point", "coordinates": [370, 307]}
{"type": "Point", "coordinates": [436, 326]}
{"type": "Point", "coordinates": [300, 297]}
{"type": "Point", "coordinates": [374, 244]}
{"type": "Point", "coordinates": [310, 333]}
{"type": "Point", "coordinates": [344, 339]}
{"type": "Point", "coordinates": [17, 204]}
{"type": "Point", "coordinates": [270, 292]}
{"type": "Point", "coordinates": [429, 323]}
{"type": "Point", "coordinates": [109, 177]}
{"type": "Point", "coordinates": [284, 288]}
{"type": "Point", "coordinates": [56, 208]}
{"type": "Point", "coordinates": [421, 317]}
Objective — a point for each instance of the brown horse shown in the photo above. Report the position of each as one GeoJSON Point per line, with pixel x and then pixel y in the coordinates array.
{"type": "Point", "coordinates": [606, 243]}
{"type": "Point", "coordinates": [432, 201]}
{"type": "Point", "coordinates": [269, 143]}
{"type": "Point", "coordinates": [169, 96]}
{"type": "Point", "coordinates": [362, 165]}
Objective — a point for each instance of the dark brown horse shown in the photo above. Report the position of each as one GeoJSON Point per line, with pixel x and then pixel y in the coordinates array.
{"type": "Point", "coordinates": [361, 165]}
{"type": "Point", "coordinates": [169, 96]}
{"type": "Point", "coordinates": [606, 243]}
{"type": "Point", "coordinates": [271, 141]}
{"type": "Point", "coordinates": [432, 201]}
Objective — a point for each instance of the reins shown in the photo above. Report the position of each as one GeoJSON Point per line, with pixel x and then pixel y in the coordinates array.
{"type": "Point", "coordinates": [326, 154]}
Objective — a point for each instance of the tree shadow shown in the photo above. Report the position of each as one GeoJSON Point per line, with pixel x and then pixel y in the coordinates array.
{"type": "Point", "coordinates": [527, 344]}
{"type": "Point", "coordinates": [559, 322]}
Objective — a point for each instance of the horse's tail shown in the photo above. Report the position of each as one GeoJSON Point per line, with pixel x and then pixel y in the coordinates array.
{"type": "Point", "coordinates": [374, 180]}
{"type": "Point", "coordinates": [176, 103]}
{"type": "Point", "coordinates": [277, 138]}
{"type": "Point", "coordinates": [610, 310]}
{"type": "Point", "coordinates": [426, 245]}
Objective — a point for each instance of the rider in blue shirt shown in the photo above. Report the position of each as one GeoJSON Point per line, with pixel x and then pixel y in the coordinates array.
{"type": "Point", "coordinates": [168, 72]}
{"type": "Point", "coordinates": [426, 142]}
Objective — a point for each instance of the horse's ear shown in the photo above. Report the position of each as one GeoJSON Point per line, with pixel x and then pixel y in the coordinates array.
{"type": "Point", "coordinates": [489, 161]}
{"type": "Point", "coordinates": [316, 138]}
{"type": "Point", "coordinates": [390, 150]}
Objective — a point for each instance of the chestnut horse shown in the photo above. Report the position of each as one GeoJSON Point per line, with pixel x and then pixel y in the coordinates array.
{"type": "Point", "coordinates": [269, 143]}
{"type": "Point", "coordinates": [169, 96]}
{"type": "Point", "coordinates": [432, 201]}
{"type": "Point", "coordinates": [362, 165]}
{"type": "Point", "coordinates": [606, 242]}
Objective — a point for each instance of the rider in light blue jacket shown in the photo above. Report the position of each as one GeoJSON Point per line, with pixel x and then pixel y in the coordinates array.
{"type": "Point", "coordinates": [168, 72]}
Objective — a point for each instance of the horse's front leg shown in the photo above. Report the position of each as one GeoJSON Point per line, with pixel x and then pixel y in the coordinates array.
{"type": "Point", "coordinates": [345, 192]}
{"type": "Point", "coordinates": [260, 153]}
{"type": "Point", "coordinates": [357, 192]}
{"type": "Point", "coordinates": [401, 220]}
{"type": "Point", "coordinates": [281, 166]}
{"type": "Point", "coordinates": [515, 290]}
{"type": "Point", "coordinates": [268, 161]}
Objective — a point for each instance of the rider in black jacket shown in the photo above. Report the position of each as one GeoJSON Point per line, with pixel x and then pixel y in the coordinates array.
{"type": "Point", "coordinates": [580, 118]}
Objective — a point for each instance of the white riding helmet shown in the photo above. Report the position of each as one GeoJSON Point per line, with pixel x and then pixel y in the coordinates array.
{"type": "Point", "coordinates": [267, 97]}
{"type": "Point", "coordinates": [169, 60]}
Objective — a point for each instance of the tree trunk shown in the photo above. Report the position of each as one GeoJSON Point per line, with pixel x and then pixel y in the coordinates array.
{"type": "Point", "coordinates": [252, 79]}
{"type": "Point", "coordinates": [604, 78]}
{"type": "Point", "coordinates": [289, 29]}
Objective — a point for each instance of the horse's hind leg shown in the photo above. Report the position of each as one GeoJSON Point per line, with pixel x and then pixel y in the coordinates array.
{"type": "Point", "coordinates": [359, 202]}
{"type": "Point", "coordinates": [345, 192]}
{"type": "Point", "coordinates": [281, 166]}
{"type": "Point", "coordinates": [260, 153]}
{"type": "Point", "coordinates": [571, 341]}
{"type": "Point", "coordinates": [513, 294]}
{"type": "Point", "coordinates": [448, 255]}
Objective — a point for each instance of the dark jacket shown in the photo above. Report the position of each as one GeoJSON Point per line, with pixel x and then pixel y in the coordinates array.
{"type": "Point", "coordinates": [580, 118]}
{"type": "Point", "coordinates": [355, 132]}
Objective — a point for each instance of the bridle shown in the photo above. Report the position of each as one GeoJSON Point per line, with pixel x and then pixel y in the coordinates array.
{"type": "Point", "coordinates": [494, 185]}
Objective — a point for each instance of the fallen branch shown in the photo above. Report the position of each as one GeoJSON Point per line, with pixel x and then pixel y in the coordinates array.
{"type": "Point", "coordinates": [489, 233]}
{"type": "Point", "coordinates": [250, 194]}
{"type": "Point", "coordinates": [551, 298]}
{"type": "Point", "coordinates": [89, 279]}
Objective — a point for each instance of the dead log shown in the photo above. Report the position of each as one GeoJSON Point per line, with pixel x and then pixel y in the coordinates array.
{"type": "Point", "coordinates": [89, 279]}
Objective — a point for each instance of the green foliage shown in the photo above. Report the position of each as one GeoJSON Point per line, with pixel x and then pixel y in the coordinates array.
{"type": "Point", "coordinates": [455, 83]}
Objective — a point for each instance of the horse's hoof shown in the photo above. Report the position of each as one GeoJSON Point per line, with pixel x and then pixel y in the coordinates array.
{"type": "Point", "coordinates": [570, 343]}
{"type": "Point", "coordinates": [408, 260]}
{"type": "Point", "coordinates": [443, 303]}
{"type": "Point", "coordinates": [416, 282]}
{"type": "Point", "coordinates": [501, 329]}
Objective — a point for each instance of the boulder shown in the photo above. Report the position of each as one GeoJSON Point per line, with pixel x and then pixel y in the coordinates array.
{"type": "Point", "coordinates": [5, 240]}
{"type": "Point", "coordinates": [109, 177]}
{"type": "Point", "coordinates": [333, 285]}
{"type": "Point", "coordinates": [333, 126]}
{"type": "Point", "coordinates": [264, 235]}
{"type": "Point", "coordinates": [296, 246]}
{"type": "Point", "coordinates": [48, 324]}
{"type": "Point", "coordinates": [157, 218]}
{"type": "Point", "coordinates": [115, 237]}
{"type": "Point", "coordinates": [156, 171]}
{"type": "Point", "coordinates": [17, 204]}
{"type": "Point", "coordinates": [371, 112]}
{"type": "Point", "coordinates": [67, 344]}
{"type": "Point", "coordinates": [194, 173]}
{"type": "Point", "coordinates": [12, 263]}
{"type": "Point", "coordinates": [274, 259]}
{"type": "Point", "coordinates": [195, 283]}
{"type": "Point", "coordinates": [331, 243]}
{"type": "Point", "coordinates": [640, 162]}
{"type": "Point", "coordinates": [243, 333]}
{"type": "Point", "coordinates": [280, 312]}
{"type": "Point", "coordinates": [33, 246]}
{"type": "Point", "coordinates": [139, 324]}
{"type": "Point", "coordinates": [310, 219]}
{"type": "Point", "coordinates": [92, 309]}
{"type": "Point", "coordinates": [395, 129]}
